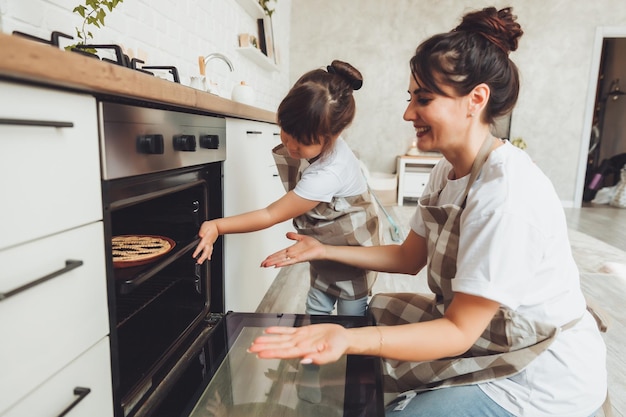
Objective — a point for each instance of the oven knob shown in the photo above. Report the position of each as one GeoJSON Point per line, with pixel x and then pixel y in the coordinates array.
{"type": "Point", "coordinates": [150, 144]}
{"type": "Point", "coordinates": [186, 143]}
{"type": "Point", "coordinates": [210, 141]}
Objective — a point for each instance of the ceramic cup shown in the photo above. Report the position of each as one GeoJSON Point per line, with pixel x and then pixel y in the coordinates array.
{"type": "Point", "coordinates": [198, 82]}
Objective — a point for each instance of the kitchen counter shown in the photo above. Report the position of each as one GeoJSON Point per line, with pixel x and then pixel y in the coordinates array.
{"type": "Point", "coordinates": [23, 59]}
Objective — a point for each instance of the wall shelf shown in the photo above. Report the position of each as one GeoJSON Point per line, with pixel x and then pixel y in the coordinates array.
{"type": "Point", "coordinates": [258, 57]}
{"type": "Point", "coordinates": [252, 7]}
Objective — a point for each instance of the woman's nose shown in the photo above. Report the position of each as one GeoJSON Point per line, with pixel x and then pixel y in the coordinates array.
{"type": "Point", "coordinates": [409, 113]}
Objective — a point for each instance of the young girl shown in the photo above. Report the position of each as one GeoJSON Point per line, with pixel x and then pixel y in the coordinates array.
{"type": "Point", "coordinates": [327, 195]}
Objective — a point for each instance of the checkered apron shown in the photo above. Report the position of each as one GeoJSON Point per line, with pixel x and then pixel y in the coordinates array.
{"type": "Point", "coordinates": [351, 221]}
{"type": "Point", "coordinates": [508, 344]}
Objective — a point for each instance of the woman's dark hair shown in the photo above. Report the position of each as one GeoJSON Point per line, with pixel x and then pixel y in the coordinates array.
{"type": "Point", "coordinates": [475, 52]}
{"type": "Point", "coordinates": [320, 104]}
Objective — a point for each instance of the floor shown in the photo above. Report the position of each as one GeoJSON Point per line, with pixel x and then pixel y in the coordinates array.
{"type": "Point", "coordinates": [598, 238]}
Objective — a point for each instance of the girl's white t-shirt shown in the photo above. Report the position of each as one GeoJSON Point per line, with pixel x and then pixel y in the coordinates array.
{"type": "Point", "coordinates": [514, 248]}
{"type": "Point", "coordinates": [336, 174]}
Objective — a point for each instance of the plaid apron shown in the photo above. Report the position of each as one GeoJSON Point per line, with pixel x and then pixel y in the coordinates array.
{"type": "Point", "coordinates": [508, 344]}
{"type": "Point", "coordinates": [351, 221]}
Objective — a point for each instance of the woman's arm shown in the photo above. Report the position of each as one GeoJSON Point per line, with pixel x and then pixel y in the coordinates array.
{"type": "Point", "coordinates": [287, 207]}
{"type": "Point", "coordinates": [463, 323]}
{"type": "Point", "coordinates": [407, 258]}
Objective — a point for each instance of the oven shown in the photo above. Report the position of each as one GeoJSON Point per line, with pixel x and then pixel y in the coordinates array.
{"type": "Point", "coordinates": [161, 178]}
{"type": "Point", "coordinates": [175, 352]}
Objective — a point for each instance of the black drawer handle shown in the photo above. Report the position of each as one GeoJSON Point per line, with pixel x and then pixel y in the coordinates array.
{"type": "Point", "coordinates": [82, 393]}
{"type": "Point", "coordinates": [69, 265]}
{"type": "Point", "coordinates": [39, 123]}
{"type": "Point", "coordinates": [253, 132]}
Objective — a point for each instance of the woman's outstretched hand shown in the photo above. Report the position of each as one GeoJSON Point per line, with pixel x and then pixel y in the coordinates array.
{"type": "Point", "coordinates": [208, 234]}
{"type": "Point", "coordinates": [305, 249]}
{"type": "Point", "coordinates": [317, 343]}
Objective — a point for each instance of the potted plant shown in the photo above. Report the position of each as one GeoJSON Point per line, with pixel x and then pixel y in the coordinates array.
{"type": "Point", "coordinates": [93, 13]}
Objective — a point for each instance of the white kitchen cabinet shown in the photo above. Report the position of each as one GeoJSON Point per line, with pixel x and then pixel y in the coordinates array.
{"type": "Point", "coordinates": [88, 376]}
{"type": "Point", "coordinates": [46, 326]}
{"type": "Point", "coordinates": [49, 162]}
{"type": "Point", "coordinates": [251, 182]}
{"type": "Point", "coordinates": [53, 294]}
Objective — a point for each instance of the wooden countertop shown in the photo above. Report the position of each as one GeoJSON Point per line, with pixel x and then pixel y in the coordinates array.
{"type": "Point", "coordinates": [23, 59]}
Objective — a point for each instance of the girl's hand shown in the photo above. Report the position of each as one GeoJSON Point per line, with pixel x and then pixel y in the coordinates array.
{"type": "Point", "coordinates": [305, 249]}
{"type": "Point", "coordinates": [317, 343]}
{"type": "Point", "coordinates": [209, 234]}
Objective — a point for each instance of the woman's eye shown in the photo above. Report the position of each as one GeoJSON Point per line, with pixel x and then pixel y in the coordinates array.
{"type": "Point", "coordinates": [422, 101]}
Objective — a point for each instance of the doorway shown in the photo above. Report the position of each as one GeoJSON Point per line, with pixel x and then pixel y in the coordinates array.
{"type": "Point", "coordinates": [603, 148]}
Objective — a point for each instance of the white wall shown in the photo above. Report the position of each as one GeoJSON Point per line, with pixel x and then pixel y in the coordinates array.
{"type": "Point", "coordinates": [379, 37]}
{"type": "Point", "coordinates": [169, 32]}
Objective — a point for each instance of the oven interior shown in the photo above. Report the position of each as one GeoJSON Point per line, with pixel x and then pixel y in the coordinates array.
{"type": "Point", "coordinates": [162, 306]}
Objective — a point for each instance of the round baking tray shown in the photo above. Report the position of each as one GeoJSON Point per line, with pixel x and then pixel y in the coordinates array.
{"type": "Point", "coordinates": [145, 258]}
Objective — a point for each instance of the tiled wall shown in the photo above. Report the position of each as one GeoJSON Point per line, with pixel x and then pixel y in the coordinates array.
{"type": "Point", "coordinates": [171, 32]}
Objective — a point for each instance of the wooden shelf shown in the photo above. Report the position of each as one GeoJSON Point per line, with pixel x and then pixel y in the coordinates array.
{"type": "Point", "coordinates": [252, 7]}
{"type": "Point", "coordinates": [258, 57]}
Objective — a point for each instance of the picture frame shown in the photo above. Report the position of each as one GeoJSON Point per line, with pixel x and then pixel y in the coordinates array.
{"type": "Point", "coordinates": [266, 37]}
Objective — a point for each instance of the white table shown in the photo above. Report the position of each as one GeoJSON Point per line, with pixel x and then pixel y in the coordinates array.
{"type": "Point", "coordinates": [413, 172]}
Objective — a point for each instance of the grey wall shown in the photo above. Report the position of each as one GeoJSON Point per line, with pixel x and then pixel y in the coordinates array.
{"type": "Point", "coordinates": [378, 37]}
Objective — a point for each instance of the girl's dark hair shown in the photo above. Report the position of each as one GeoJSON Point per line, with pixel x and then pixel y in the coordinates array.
{"type": "Point", "coordinates": [475, 52]}
{"type": "Point", "coordinates": [320, 104]}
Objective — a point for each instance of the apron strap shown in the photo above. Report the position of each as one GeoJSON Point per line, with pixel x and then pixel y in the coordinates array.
{"type": "Point", "coordinates": [481, 157]}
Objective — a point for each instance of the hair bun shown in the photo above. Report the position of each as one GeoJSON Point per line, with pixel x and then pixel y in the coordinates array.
{"type": "Point", "coordinates": [497, 26]}
{"type": "Point", "coordinates": [346, 71]}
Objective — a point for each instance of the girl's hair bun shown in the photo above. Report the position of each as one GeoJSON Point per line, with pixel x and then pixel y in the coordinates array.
{"type": "Point", "coordinates": [348, 72]}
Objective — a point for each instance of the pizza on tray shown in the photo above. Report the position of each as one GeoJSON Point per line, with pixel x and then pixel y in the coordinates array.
{"type": "Point", "coordinates": [134, 250]}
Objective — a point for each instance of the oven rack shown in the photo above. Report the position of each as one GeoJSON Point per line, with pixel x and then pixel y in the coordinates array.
{"type": "Point", "coordinates": [131, 305]}
{"type": "Point", "coordinates": [128, 285]}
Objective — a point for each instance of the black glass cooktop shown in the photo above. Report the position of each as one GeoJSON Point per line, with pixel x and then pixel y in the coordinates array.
{"type": "Point", "coordinates": [243, 385]}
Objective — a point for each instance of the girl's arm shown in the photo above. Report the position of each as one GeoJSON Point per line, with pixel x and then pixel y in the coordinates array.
{"type": "Point", "coordinates": [463, 323]}
{"type": "Point", "coordinates": [408, 258]}
{"type": "Point", "coordinates": [287, 207]}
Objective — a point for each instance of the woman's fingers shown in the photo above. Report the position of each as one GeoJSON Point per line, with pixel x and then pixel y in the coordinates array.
{"type": "Point", "coordinates": [313, 343]}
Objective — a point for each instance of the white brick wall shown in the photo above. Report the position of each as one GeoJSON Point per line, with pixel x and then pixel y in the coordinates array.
{"type": "Point", "coordinates": [170, 32]}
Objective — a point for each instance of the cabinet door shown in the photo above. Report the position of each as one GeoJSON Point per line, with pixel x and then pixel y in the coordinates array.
{"type": "Point", "coordinates": [45, 326]}
{"type": "Point", "coordinates": [49, 162]}
{"type": "Point", "coordinates": [84, 383]}
{"type": "Point", "coordinates": [251, 182]}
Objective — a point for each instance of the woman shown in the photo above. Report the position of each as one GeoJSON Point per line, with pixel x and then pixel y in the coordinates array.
{"type": "Point", "coordinates": [507, 333]}
{"type": "Point", "coordinates": [327, 195]}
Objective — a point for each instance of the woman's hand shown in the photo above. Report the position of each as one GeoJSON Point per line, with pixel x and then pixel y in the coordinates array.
{"type": "Point", "coordinates": [305, 249]}
{"type": "Point", "coordinates": [317, 343]}
{"type": "Point", "coordinates": [209, 234]}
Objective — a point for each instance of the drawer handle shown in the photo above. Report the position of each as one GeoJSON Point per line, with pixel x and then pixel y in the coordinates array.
{"type": "Point", "coordinates": [39, 123]}
{"type": "Point", "coordinates": [253, 132]}
{"type": "Point", "coordinates": [69, 265]}
{"type": "Point", "coordinates": [82, 393]}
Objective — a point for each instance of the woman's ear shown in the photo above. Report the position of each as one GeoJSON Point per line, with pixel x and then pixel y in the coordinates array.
{"type": "Point", "coordinates": [478, 98]}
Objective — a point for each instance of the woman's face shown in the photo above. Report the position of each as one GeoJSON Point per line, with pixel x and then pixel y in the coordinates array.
{"type": "Point", "coordinates": [440, 122]}
{"type": "Point", "coordinates": [297, 150]}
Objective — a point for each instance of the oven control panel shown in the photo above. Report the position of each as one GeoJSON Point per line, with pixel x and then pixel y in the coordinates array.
{"type": "Point", "coordinates": [139, 140]}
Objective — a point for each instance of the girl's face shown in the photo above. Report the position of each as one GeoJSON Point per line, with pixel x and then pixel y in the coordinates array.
{"type": "Point", "coordinates": [297, 150]}
{"type": "Point", "coordinates": [440, 122]}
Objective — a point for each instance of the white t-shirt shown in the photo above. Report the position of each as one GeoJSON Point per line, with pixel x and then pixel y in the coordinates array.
{"type": "Point", "coordinates": [514, 248]}
{"type": "Point", "coordinates": [336, 174]}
